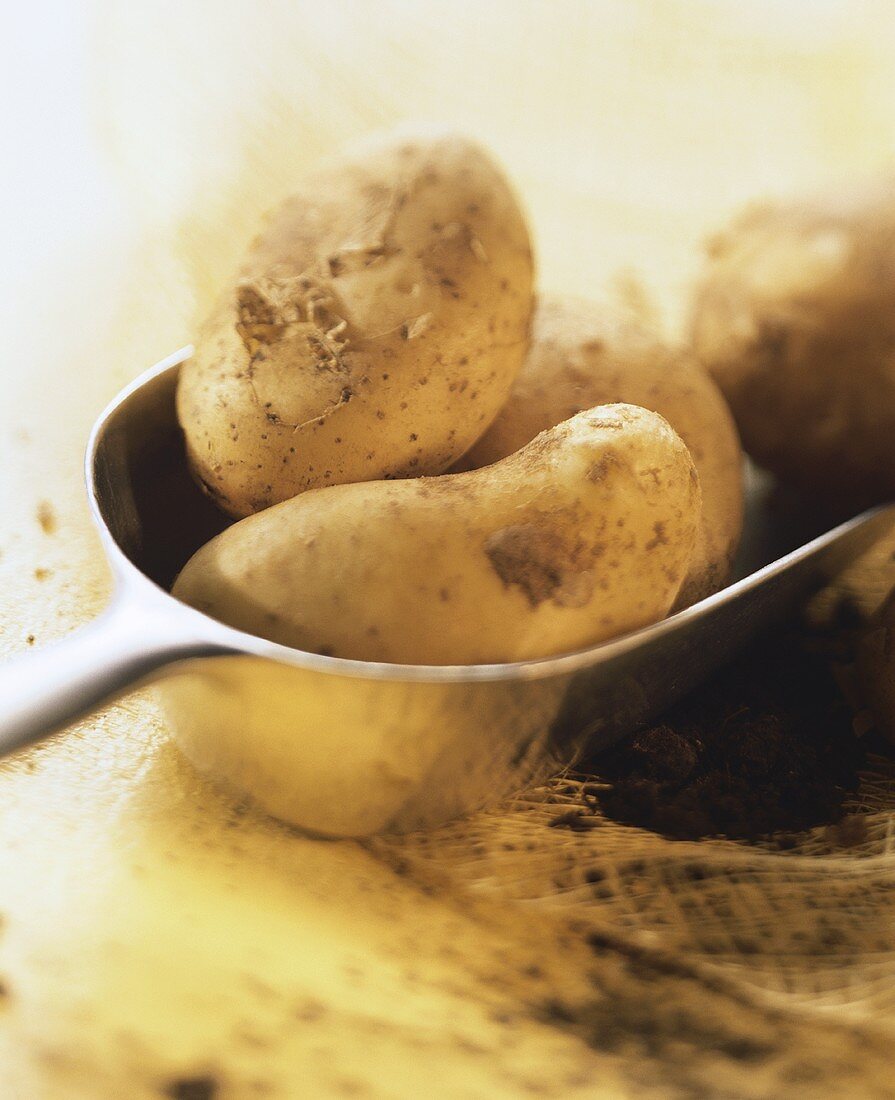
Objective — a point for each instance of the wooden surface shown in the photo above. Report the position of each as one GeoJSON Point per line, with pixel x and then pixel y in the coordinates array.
{"type": "Point", "coordinates": [151, 930]}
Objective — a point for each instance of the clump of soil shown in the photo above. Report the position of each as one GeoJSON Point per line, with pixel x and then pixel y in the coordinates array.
{"type": "Point", "coordinates": [767, 747]}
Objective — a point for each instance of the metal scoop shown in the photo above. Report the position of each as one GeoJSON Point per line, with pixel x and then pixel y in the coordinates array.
{"type": "Point", "coordinates": [348, 747]}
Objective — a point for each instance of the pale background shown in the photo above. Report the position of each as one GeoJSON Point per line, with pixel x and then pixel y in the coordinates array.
{"type": "Point", "coordinates": [149, 929]}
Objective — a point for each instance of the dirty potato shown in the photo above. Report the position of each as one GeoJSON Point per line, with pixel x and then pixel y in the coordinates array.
{"type": "Point", "coordinates": [373, 332]}
{"type": "Point", "coordinates": [583, 354]}
{"type": "Point", "coordinates": [796, 321]}
{"type": "Point", "coordinates": [584, 534]}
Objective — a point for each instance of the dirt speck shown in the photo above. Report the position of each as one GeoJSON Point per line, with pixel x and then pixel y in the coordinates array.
{"type": "Point", "coordinates": [610, 460]}
{"type": "Point", "coordinates": [659, 537]}
{"type": "Point", "coordinates": [46, 517]}
{"type": "Point", "coordinates": [531, 557]}
{"type": "Point", "coordinates": [200, 1087]}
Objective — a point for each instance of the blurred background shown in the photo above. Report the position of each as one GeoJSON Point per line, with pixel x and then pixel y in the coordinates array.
{"type": "Point", "coordinates": [144, 139]}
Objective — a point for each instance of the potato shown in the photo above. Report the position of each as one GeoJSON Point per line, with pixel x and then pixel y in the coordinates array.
{"type": "Point", "coordinates": [373, 332]}
{"type": "Point", "coordinates": [584, 354]}
{"type": "Point", "coordinates": [584, 534]}
{"type": "Point", "coordinates": [796, 321]}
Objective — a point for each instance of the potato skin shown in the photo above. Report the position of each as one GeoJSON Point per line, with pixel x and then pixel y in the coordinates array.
{"type": "Point", "coordinates": [373, 332]}
{"type": "Point", "coordinates": [795, 319]}
{"type": "Point", "coordinates": [584, 354]}
{"type": "Point", "coordinates": [582, 535]}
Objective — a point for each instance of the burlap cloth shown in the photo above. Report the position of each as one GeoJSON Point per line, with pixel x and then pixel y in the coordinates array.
{"type": "Point", "coordinates": [159, 937]}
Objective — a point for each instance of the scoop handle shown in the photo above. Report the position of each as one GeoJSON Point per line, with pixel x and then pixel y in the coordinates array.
{"type": "Point", "coordinates": [44, 691]}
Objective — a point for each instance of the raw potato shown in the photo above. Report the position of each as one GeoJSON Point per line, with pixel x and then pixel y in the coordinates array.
{"type": "Point", "coordinates": [796, 321]}
{"type": "Point", "coordinates": [584, 354]}
{"type": "Point", "coordinates": [584, 534]}
{"type": "Point", "coordinates": [374, 331]}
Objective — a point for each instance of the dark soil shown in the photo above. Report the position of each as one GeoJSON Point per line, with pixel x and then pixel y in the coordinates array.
{"type": "Point", "coordinates": [767, 747]}
{"type": "Point", "coordinates": [201, 1087]}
